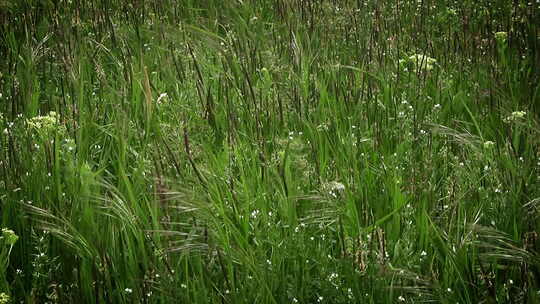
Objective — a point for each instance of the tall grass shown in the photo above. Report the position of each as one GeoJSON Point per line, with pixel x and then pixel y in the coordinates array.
{"type": "Point", "coordinates": [269, 151]}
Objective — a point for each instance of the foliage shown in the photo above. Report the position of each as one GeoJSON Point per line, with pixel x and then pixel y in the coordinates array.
{"type": "Point", "coordinates": [269, 151]}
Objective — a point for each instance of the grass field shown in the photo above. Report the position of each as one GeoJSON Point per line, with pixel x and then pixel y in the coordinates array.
{"type": "Point", "coordinates": [271, 151]}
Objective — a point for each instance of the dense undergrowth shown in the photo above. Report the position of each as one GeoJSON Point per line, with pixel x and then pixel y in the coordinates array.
{"type": "Point", "coordinates": [269, 151]}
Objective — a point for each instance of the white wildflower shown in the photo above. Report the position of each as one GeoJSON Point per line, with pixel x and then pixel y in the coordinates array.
{"type": "Point", "coordinates": [161, 96]}
{"type": "Point", "coordinates": [489, 144]}
{"type": "Point", "coordinates": [517, 115]}
{"type": "Point", "coordinates": [419, 63]}
{"type": "Point", "coordinates": [501, 37]}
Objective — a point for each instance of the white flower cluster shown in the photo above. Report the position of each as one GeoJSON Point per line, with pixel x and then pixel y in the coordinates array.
{"type": "Point", "coordinates": [43, 122]}
{"type": "Point", "coordinates": [46, 126]}
{"type": "Point", "coordinates": [501, 37]}
{"type": "Point", "coordinates": [418, 63]}
{"type": "Point", "coordinates": [517, 115]}
{"type": "Point", "coordinates": [334, 188]}
{"type": "Point", "coordinates": [8, 236]}
{"type": "Point", "coordinates": [489, 144]}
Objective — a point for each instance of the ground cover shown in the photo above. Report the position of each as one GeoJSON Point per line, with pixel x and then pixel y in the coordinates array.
{"type": "Point", "coordinates": [269, 151]}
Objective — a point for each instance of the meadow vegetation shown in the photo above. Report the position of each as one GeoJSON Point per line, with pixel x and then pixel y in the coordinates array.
{"type": "Point", "coordinates": [272, 151]}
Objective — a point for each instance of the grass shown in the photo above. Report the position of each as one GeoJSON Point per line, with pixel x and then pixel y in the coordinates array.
{"type": "Point", "coordinates": [270, 152]}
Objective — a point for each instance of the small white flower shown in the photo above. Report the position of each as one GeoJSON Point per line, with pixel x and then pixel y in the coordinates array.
{"type": "Point", "coordinates": [489, 144]}
{"type": "Point", "coordinates": [336, 186]}
{"type": "Point", "coordinates": [419, 62]}
{"type": "Point", "coordinates": [128, 290]}
{"type": "Point", "coordinates": [161, 96]}
{"type": "Point", "coordinates": [501, 36]}
{"type": "Point", "coordinates": [515, 116]}
{"type": "Point", "coordinates": [401, 299]}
